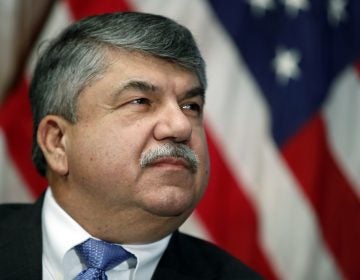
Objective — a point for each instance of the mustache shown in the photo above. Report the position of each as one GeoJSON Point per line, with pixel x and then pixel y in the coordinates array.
{"type": "Point", "coordinates": [170, 150]}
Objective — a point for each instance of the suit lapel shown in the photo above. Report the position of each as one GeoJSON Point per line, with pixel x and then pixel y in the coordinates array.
{"type": "Point", "coordinates": [21, 239]}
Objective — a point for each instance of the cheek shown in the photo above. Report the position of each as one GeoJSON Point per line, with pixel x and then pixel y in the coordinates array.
{"type": "Point", "coordinates": [108, 150]}
{"type": "Point", "coordinates": [201, 149]}
{"type": "Point", "coordinates": [96, 152]}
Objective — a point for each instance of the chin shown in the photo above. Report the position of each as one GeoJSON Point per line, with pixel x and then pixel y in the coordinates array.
{"type": "Point", "coordinates": [170, 210]}
{"type": "Point", "coordinates": [170, 206]}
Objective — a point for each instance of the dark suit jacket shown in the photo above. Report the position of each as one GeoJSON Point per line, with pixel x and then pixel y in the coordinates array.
{"type": "Point", "coordinates": [186, 258]}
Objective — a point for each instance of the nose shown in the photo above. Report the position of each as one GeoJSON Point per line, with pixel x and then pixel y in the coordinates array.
{"type": "Point", "coordinates": [173, 124]}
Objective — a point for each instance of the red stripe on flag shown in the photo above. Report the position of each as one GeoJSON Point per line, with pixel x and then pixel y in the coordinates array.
{"type": "Point", "coordinates": [357, 67]}
{"type": "Point", "coordinates": [81, 9]}
{"type": "Point", "coordinates": [336, 205]}
{"type": "Point", "coordinates": [16, 122]}
{"type": "Point", "coordinates": [229, 216]}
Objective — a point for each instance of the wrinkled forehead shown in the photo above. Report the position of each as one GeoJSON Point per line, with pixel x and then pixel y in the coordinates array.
{"type": "Point", "coordinates": [132, 64]}
{"type": "Point", "coordinates": [114, 53]}
{"type": "Point", "coordinates": [134, 59]}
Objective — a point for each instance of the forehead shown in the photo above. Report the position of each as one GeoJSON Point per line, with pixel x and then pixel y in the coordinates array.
{"type": "Point", "coordinates": [125, 67]}
{"type": "Point", "coordinates": [124, 64]}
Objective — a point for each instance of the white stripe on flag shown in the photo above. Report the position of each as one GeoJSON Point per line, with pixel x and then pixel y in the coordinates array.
{"type": "Point", "coordinates": [342, 115]}
{"type": "Point", "coordinates": [194, 227]}
{"type": "Point", "coordinates": [239, 116]}
{"type": "Point", "coordinates": [12, 188]}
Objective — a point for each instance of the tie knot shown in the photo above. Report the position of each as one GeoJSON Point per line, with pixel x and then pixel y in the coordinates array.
{"type": "Point", "coordinates": [100, 254]}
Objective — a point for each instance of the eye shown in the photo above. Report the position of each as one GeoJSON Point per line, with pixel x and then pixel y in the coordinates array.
{"type": "Point", "coordinates": [140, 101]}
{"type": "Point", "coordinates": [192, 107]}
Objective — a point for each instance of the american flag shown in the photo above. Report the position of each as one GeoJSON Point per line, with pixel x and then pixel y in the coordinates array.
{"type": "Point", "coordinates": [282, 117]}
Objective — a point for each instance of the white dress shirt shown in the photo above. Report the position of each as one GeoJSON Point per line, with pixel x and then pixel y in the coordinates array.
{"type": "Point", "coordinates": [60, 261]}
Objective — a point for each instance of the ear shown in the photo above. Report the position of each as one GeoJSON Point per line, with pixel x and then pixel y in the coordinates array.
{"type": "Point", "coordinates": [52, 138]}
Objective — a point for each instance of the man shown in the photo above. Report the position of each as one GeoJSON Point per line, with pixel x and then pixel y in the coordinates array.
{"type": "Point", "coordinates": [118, 105]}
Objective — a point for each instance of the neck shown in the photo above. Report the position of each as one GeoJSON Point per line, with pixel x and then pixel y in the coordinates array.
{"type": "Point", "coordinates": [118, 224]}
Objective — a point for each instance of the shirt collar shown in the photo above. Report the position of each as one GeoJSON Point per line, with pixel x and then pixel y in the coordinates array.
{"type": "Point", "coordinates": [61, 233]}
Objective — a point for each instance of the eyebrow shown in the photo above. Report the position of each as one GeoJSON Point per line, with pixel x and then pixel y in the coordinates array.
{"type": "Point", "coordinates": [145, 86]}
{"type": "Point", "coordinates": [137, 85]}
{"type": "Point", "coordinates": [197, 91]}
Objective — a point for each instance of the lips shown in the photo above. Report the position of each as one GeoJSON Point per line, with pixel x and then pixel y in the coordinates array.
{"type": "Point", "coordinates": [171, 162]}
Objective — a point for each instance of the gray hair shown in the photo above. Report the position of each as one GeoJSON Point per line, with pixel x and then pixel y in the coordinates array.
{"type": "Point", "coordinates": [78, 56]}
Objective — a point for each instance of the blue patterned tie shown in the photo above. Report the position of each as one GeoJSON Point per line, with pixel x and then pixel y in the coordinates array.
{"type": "Point", "coordinates": [99, 256]}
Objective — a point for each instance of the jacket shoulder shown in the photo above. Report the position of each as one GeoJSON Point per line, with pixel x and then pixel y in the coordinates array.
{"type": "Point", "coordinates": [188, 257]}
{"type": "Point", "coordinates": [14, 213]}
{"type": "Point", "coordinates": [20, 241]}
{"type": "Point", "coordinates": [227, 266]}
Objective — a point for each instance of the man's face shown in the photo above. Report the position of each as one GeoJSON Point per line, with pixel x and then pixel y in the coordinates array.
{"type": "Point", "coordinates": [139, 104]}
